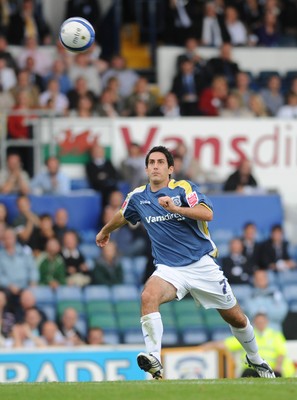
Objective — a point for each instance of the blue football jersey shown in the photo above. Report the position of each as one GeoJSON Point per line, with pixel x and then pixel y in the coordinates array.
{"type": "Point", "coordinates": [176, 240]}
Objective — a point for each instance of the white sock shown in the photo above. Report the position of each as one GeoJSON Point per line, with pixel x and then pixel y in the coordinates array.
{"type": "Point", "coordinates": [152, 329]}
{"type": "Point", "coordinates": [246, 338]}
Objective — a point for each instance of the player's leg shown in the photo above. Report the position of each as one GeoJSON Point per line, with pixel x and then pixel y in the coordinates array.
{"type": "Point", "coordinates": [156, 291]}
{"type": "Point", "coordinates": [244, 333]}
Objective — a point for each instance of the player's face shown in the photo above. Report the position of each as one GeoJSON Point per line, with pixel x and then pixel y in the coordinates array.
{"type": "Point", "coordinates": [158, 169]}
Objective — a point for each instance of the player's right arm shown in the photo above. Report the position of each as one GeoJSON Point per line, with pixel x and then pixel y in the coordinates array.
{"type": "Point", "coordinates": [102, 237]}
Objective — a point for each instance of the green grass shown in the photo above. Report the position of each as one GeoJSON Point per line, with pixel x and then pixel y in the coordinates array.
{"type": "Point", "coordinates": [220, 389]}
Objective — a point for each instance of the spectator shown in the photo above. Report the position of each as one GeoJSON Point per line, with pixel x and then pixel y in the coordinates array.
{"type": "Point", "coordinates": [3, 213]}
{"type": "Point", "coordinates": [61, 219]}
{"type": "Point", "coordinates": [273, 252]}
{"type": "Point", "coordinates": [85, 108]}
{"type": "Point", "coordinates": [107, 106]}
{"type": "Point", "coordinates": [126, 77]}
{"type": "Point", "coordinates": [59, 73]}
{"type": "Point", "coordinates": [24, 84]}
{"type": "Point", "coordinates": [7, 75]}
{"type": "Point", "coordinates": [212, 26]}
{"type": "Point", "coordinates": [113, 84]}
{"type": "Point", "coordinates": [76, 269]}
{"type": "Point", "coordinates": [52, 98]}
{"type": "Point", "coordinates": [242, 179]}
{"type": "Point", "coordinates": [7, 318]}
{"type": "Point", "coordinates": [51, 335]}
{"type": "Point", "coordinates": [42, 61]}
{"type": "Point", "coordinates": [236, 29]}
{"type": "Point", "coordinates": [132, 166]}
{"type": "Point", "coordinates": [41, 234]}
{"type": "Point", "coordinates": [234, 109]}
{"type": "Point", "coordinates": [22, 337]}
{"type": "Point", "coordinates": [67, 326]}
{"type": "Point", "coordinates": [169, 108]}
{"type": "Point", "coordinates": [27, 302]}
{"type": "Point", "coordinates": [213, 99]}
{"type": "Point", "coordinates": [191, 54]}
{"type": "Point", "coordinates": [140, 110]}
{"type": "Point", "coordinates": [51, 265]}
{"type": "Point", "coordinates": [6, 54]}
{"type": "Point", "coordinates": [268, 34]}
{"type": "Point", "coordinates": [141, 92]}
{"type": "Point", "coordinates": [236, 267]}
{"type": "Point", "coordinates": [272, 95]}
{"type": "Point", "coordinates": [17, 267]}
{"type": "Point", "coordinates": [250, 244]}
{"type": "Point", "coordinates": [179, 171]}
{"type": "Point", "coordinates": [242, 88]}
{"type": "Point", "coordinates": [26, 24]}
{"type": "Point", "coordinates": [289, 110]}
{"type": "Point", "coordinates": [26, 220]}
{"type": "Point", "coordinates": [187, 86]}
{"type": "Point", "coordinates": [108, 269]}
{"type": "Point", "coordinates": [52, 180]}
{"type": "Point", "coordinates": [252, 14]}
{"type": "Point", "coordinates": [101, 173]}
{"type": "Point", "coordinates": [223, 65]}
{"type": "Point", "coordinates": [257, 106]}
{"type": "Point", "coordinates": [34, 77]}
{"type": "Point", "coordinates": [7, 100]}
{"type": "Point", "coordinates": [14, 180]}
{"type": "Point", "coordinates": [115, 200]}
{"type": "Point", "coordinates": [266, 298]}
{"type": "Point", "coordinates": [95, 336]}
{"type": "Point", "coordinates": [82, 67]}
{"type": "Point", "coordinates": [80, 90]}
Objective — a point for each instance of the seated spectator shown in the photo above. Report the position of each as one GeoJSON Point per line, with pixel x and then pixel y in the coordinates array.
{"type": "Point", "coordinates": [236, 267]}
{"type": "Point", "coordinates": [212, 25]}
{"type": "Point", "coordinates": [8, 76]}
{"type": "Point", "coordinates": [115, 200]}
{"type": "Point", "coordinates": [7, 318]}
{"type": "Point", "coordinates": [250, 244]}
{"type": "Point", "coordinates": [24, 84]}
{"type": "Point", "coordinates": [51, 265]}
{"type": "Point", "coordinates": [58, 72]}
{"type": "Point", "coordinates": [187, 86]}
{"type": "Point", "coordinates": [80, 90]}
{"type": "Point", "coordinates": [101, 174]}
{"type": "Point", "coordinates": [107, 106]}
{"type": "Point", "coordinates": [85, 108]}
{"type": "Point", "coordinates": [268, 34]}
{"type": "Point", "coordinates": [242, 84]}
{"type": "Point", "coordinates": [25, 23]}
{"type": "Point", "coordinates": [169, 107]}
{"type": "Point", "coordinates": [272, 95]}
{"type": "Point", "coordinates": [41, 234]}
{"type": "Point", "coordinates": [14, 180]}
{"type": "Point", "coordinates": [126, 77]}
{"type": "Point", "coordinates": [179, 171]}
{"type": "Point", "coordinates": [51, 335]}
{"type": "Point", "coordinates": [108, 269]}
{"type": "Point", "coordinates": [191, 54]}
{"type": "Point", "coordinates": [52, 180]}
{"type": "Point", "coordinates": [223, 65]}
{"type": "Point", "coordinates": [234, 109]}
{"type": "Point", "coordinates": [141, 92]}
{"type": "Point", "coordinates": [268, 299]}
{"type": "Point", "coordinates": [95, 336]}
{"type": "Point", "coordinates": [257, 106]}
{"type": "Point", "coordinates": [132, 167]}
{"type": "Point", "coordinates": [213, 99]}
{"type": "Point", "coordinates": [67, 326]}
{"type": "Point", "coordinates": [77, 272]}
{"type": "Point", "coordinates": [252, 14]}
{"type": "Point", "coordinates": [42, 61]}
{"type": "Point", "coordinates": [3, 213]}
{"type": "Point", "coordinates": [7, 101]}
{"type": "Point", "coordinates": [242, 179]}
{"type": "Point", "coordinates": [289, 110]}
{"type": "Point", "coordinates": [140, 110]}
{"type": "Point", "coordinates": [17, 268]}
{"type": "Point", "coordinates": [26, 220]}
{"type": "Point", "coordinates": [273, 252]}
{"type": "Point", "coordinates": [6, 53]}
{"type": "Point", "coordinates": [61, 219]}
{"type": "Point", "coordinates": [53, 99]}
{"type": "Point", "coordinates": [22, 337]}
{"type": "Point", "coordinates": [113, 85]}
{"type": "Point", "coordinates": [236, 29]}
{"type": "Point", "coordinates": [34, 77]}
{"type": "Point", "coordinates": [27, 302]}
{"type": "Point", "coordinates": [83, 67]}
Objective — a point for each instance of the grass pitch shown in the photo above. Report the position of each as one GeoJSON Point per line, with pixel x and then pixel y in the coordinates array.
{"type": "Point", "coordinates": [220, 389]}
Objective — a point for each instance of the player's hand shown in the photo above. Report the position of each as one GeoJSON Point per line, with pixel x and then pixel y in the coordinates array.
{"type": "Point", "coordinates": [102, 239]}
{"type": "Point", "coordinates": [167, 203]}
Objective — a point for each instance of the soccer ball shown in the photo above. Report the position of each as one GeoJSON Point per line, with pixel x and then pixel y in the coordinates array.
{"type": "Point", "coordinates": [77, 34]}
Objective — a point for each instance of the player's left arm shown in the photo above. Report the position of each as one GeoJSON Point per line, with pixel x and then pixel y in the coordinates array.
{"type": "Point", "coordinates": [200, 212]}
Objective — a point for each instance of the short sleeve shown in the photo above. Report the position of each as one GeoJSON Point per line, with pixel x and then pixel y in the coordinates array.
{"type": "Point", "coordinates": [129, 210]}
{"type": "Point", "coordinates": [193, 197]}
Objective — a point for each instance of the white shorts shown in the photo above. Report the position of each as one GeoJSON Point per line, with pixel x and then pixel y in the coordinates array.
{"type": "Point", "coordinates": [203, 279]}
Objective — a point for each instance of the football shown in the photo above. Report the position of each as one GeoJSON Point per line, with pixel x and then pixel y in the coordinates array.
{"type": "Point", "coordinates": [77, 34]}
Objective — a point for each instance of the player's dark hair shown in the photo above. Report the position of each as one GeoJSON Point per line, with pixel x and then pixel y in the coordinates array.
{"type": "Point", "coordinates": [161, 149]}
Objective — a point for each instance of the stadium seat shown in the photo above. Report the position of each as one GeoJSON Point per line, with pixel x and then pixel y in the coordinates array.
{"type": "Point", "coordinates": [213, 320]}
{"type": "Point", "coordinates": [185, 306]}
{"type": "Point", "coordinates": [44, 295]}
{"type": "Point", "coordinates": [111, 336]}
{"type": "Point", "coordinates": [127, 307]}
{"type": "Point", "coordinates": [87, 236]}
{"type": "Point", "coordinates": [104, 321]}
{"type": "Point", "coordinates": [290, 293]}
{"type": "Point", "coordinates": [90, 250]}
{"type": "Point", "coordinates": [98, 307]}
{"type": "Point", "coordinates": [170, 337]}
{"type": "Point", "coordinates": [64, 293]}
{"type": "Point", "coordinates": [133, 336]}
{"type": "Point", "coordinates": [124, 292]}
{"type": "Point", "coordinates": [187, 321]}
{"type": "Point", "coordinates": [194, 336]}
{"type": "Point", "coordinates": [287, 278]}
{"type": "Point", "coordinates": [97, 292]}
{"type": "Point", "coordinates": [263, 77]}
{"type": "Point", "coordinates": [128, 321]}
{"type": "Point", "coordinates": [220, 333]}
{"type": "Point", "coordinates": [241, 292]}
{"type": "Point", "coordinates": [76, 304]}
{"type": "Point", "coordinates": [82, 327]}
{"type": "Point", "coordinates": [49, 310]}
{"type": "Point", "coordinates": [79, 184]}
